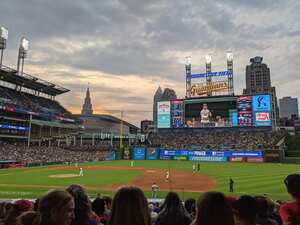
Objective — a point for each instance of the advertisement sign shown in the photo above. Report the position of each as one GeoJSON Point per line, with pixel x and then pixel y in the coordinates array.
{"type": "Point", "coordinates": [139, 153]}
{"type": "Point", "coordinates": [163, 114]}
{"type": "Point", "coordinates": [208, 153]}
{"type": "Point", "coordinates": [13, 127]}
{"type": "Point", "coordinates": [256, 160]}
{"type": "Point", "coordinates": [233, 117]}
{"type": "Point", "coordinates": [152, 153]}
{"type": "Point", "coordinates": [126, 154]}
{"type": "Point", "coordinates": [218, 83]}
{"type": "Point", "coordinates": [179, 157]}
{"type": "Point", "coordinates": [198, 90]}
{"type": "Point", "coordinates": [110, 157]}
{"type": "Point", "coordinates": [262, 119]}
{"type": "Point", "coordinates": [236, 159]}
{"type": "Point", "coordinates": [208, 158]}
{"type": "Point", "coordinates": [177, 112]}
{"type": "Point", "coordinates": [244, 109]}
{"type": "Point", "coordinates": [262, 110]}
{"type": "Point", "coordinates": [261, 103]}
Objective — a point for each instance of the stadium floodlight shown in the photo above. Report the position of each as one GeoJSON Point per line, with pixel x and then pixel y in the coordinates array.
{"type": "Point", "coordinates": [208, 59]}
{"type": "Point", "coordinates": [24, 44]}
{"type": "Point", "coordinates": [229, 56]}
{"type": "Point", "coordinates": [188, 60]}
{"type": "Point", "coordinates": [3, 33]}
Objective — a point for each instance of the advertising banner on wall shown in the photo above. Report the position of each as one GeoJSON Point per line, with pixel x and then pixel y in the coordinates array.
{"type": "Point", "coordinates": [208, 158]}
{"type": "Point", "coordinates": [152, 153]}
{"type": "Point", "coordinates": [164, 114]}
{"type": "Point", "coordinates": [139, 153]}
{"type": "Point", "coordinates": [244, 109]}
{"type": "Point", "coordinates": [194, 154]}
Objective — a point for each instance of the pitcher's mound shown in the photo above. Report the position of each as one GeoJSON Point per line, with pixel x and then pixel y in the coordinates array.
{"type": "Point", "coordinates": [69, 175]}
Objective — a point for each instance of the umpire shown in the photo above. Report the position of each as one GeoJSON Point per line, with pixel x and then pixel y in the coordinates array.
{"type": "Point", "coordinates": [231, 183]}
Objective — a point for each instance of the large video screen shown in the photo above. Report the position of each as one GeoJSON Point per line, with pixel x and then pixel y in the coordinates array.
{"type": "Point", "coordinates": [261, 105]}
{"type": "Point", "coordinates": [210, 114]}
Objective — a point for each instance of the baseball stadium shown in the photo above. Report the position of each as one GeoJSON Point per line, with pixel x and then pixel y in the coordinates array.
{"type": "Point", "coordinates": [211, 143]}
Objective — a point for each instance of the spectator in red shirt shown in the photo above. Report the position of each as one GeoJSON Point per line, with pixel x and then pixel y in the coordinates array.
{"type": "Point", "coordinates": [290, 212]}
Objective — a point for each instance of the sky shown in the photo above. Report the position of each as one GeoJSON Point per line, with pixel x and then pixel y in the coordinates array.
{"type": "Point", "coordinates": [125, 49]}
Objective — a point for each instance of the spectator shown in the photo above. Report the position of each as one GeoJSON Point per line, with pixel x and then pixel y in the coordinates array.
{"type": "Point", "coordinates": [173, 212]}
{"type": "Point", "coordinates": [98, 206]}
{"type": "Point", "coordinates": [213, 208]}
{"type": "Point", "coordinates": [130, 207]}
{"type": "Point", "coordinates": [290, 212]}
{"type": "Point", "coordinates": [245, 210]}
{"type": "Point", "coordinates": [18, 208]}
{"type": "Point", "coordinates": [29, 218]}
{"type": "Point", "coordinates": [107, 201]}
{"type": "Point", "coordinates": [263, 214]}
{"type": "Point", "coordinates": [56, 208]}
{"type": "Point", "coordinates": [190, 206]}
{"type": "Point", "coordinates": [153, 214]}
{"type": "Point", "coordinates": [83, 209]}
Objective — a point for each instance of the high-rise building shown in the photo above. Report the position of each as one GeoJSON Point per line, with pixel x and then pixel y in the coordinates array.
{"type": "Point", "coordinates": [87, 108]}
{"type": "Point", "coordinates": [288, 107]}
{"type": "Point", "coordinates": [156, 98]}
{"type": "Point", "coordinates": [258, 81]}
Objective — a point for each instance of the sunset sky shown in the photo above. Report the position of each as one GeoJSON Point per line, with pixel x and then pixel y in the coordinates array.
{"type": "Point", "coordinates": [125, 49]}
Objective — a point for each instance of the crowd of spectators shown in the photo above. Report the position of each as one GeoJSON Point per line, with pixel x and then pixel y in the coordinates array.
{"type": "Point", "coordinates": [130, 207]}
{"type": "Point", "coordinates": [45, 154]}
{"type": "Point", "coordinates": [212, 139]}
{"type": "Point", "coordinates": [31, 102]}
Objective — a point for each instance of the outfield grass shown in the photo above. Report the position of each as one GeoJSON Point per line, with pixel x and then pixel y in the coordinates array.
{"type": "Point", "coordinates": [250, 178]}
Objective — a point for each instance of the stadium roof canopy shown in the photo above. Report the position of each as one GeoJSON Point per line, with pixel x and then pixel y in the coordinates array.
{"type": "Point", "coordinates": [10, 75]}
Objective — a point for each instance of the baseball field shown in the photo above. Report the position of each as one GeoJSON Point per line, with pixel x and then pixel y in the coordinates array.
{"type": "Point", "coordinates": [106, 177]}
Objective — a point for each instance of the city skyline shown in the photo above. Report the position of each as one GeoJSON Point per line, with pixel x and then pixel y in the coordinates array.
{"type": "Point", "coordinates": [127, 49]}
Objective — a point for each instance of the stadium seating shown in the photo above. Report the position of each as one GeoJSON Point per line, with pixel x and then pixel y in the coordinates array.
{"type": "Point", "coordinates": [212, 139]}
{"type": "Point", "coordinates": [32, 103]}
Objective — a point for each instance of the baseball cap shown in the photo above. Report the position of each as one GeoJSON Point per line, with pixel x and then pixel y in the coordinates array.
{"type": "Point", "coordinates": [292, 183]}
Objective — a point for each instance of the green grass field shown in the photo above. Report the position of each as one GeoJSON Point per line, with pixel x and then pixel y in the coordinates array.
{"type": "Point", "coordinates": [250, 178]}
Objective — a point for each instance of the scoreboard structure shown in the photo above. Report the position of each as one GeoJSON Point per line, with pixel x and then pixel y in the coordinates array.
{"type": "Point", "coordinates": [216, 111]}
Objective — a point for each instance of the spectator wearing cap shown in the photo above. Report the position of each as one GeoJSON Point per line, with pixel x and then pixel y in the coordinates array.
{"type": "Point", "coordinates": [18, 208]}
{"type": "Point", "coordinates": [290, 212]}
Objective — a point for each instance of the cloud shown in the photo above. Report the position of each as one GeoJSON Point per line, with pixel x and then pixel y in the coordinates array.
{"type": "Point", "coordinates": [125, 49]}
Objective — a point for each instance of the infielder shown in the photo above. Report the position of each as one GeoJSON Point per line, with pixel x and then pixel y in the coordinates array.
{"type": "Point", "coordinates": [81, 172]}
{"type": "Point", "coordinates": [154, 189]}
{"type": "Point", "coordinates": [167, 175]}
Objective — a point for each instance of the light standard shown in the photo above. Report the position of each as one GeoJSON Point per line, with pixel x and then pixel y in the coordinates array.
{"type": "Point", "coordinates": [3, 38]}
{"type": "Point", "coordinates": [24, 47]}
{"type": "Point", "coordinates": [188, 71]}
{"type": "Point", "coordinates": [208, 71]}
{"type": "Point", "coordinates": [229, 57]}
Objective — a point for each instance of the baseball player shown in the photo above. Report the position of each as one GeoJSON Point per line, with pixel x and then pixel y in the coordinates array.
{"type": "Point", "coordinates": [81, 172]}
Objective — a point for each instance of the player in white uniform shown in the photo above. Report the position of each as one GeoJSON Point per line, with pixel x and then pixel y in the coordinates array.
{"type": "Point", "coordinates": [194, 168]}
{"type": "Point", "coordinates": [205, 114]}
{"type": "Point", "coordinates": [131, 163]}
{"type": "Point", "coordinates": [167, 175]}
{"type": "Point", "coordinates": [154, 189]}
{"type": "Point", "coordinates": [81, 172]}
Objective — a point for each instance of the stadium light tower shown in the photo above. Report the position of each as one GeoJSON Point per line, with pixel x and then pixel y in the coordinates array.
{"type": "Point", "coordinates": [3, 39]}
{"type": "Point", "coordinates": [188, 71]}
{"type": "Point", "coordinates": [229, 56]}
{"type": "Point", "coordinates": [208, 60]}
{"type": "Point", "coordinates": [23, 49]}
